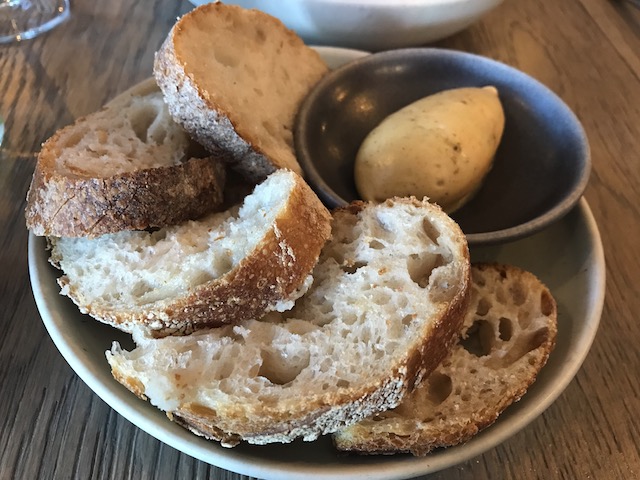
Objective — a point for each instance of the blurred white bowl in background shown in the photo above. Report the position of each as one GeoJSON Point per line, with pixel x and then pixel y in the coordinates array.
{"type": "Point", "coordinates": [372, 24]}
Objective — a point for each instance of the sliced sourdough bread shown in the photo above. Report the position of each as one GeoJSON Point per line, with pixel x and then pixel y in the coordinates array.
{"type": "Point", "coordinates": [234, 79]}
{"type": "Point", "coordinates": [508, 333]}
{"type": "Point", "coordinates": [128, 166]}
{"type": "Point", "coordinates": [389, 293]}
{"type": "Point", "coordinates": [227, 266]}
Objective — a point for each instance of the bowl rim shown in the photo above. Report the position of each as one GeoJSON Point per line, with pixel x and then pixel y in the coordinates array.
{"type": "Point", "coordinates": [330, 198]}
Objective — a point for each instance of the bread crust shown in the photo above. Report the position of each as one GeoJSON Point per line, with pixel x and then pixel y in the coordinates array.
{"type": "Point", "coordinates": [72, 203]}
{"type": "Point", "coordinates": [272, 273]}
{"type": "Point", "coordinates": [321, 413]}
{"type": "Point", "coordinates": [329, 414]}
{"type": "Point", "coordinates": [407, 431]}
{"type": "Point", "coordinates": [210, 117]}
{"type": "Point", "coordinates": [64, 206]}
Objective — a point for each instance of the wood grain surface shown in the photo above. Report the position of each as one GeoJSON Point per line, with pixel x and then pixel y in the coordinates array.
{"type": "Point", "coordinates": [587, 51]}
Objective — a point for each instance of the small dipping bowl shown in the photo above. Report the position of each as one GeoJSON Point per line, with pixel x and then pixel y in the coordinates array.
{"type": "Point", "coordinates": [541, 167]}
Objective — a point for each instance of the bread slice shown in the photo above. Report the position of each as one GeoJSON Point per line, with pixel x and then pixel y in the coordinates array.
{"type": "Point", "coordinates": [385, 307]}
{"type": "Point", "coordinates": [228, 266]}
{"type": "Point", "coordinates": [128, 166]}
{"type": "Point", "coordinates": [234, 79]}
{"type": "Point", "coordinates": [508, 333]}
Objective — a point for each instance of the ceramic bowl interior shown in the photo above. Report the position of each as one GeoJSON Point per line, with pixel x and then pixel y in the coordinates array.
{"type": "Point", "coordinates": [541, 167]}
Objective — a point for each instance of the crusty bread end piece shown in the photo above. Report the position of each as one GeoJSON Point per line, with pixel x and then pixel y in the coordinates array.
{"type": "Point", "coordinates": [509, 331]}
{"type": "Point", "coordinates": [128, 166]}
{"type": "Point", "coordinates": [389, 293]}
{"type": "Point", "coordinates": [235, 78]}
{"type": "Point", "coordinates": [224, 267]}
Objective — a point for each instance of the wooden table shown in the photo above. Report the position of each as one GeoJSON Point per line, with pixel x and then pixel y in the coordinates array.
{"type": "Point", "coordinates": [588, 51]}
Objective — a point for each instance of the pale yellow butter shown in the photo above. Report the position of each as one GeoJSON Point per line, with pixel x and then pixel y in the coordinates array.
{"type": "Point", "coordinates": [441, 146]}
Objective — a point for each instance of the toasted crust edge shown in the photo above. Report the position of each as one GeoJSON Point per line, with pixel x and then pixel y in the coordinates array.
{"type": "Point", "coordinates": [318, 418]}
{"type": "Point", "coordinates": [419, 444]}
{"type": "Point", "coordinates": [271, 273]}
{"type": "Point", "coordinates": [62, 206]}
{"type": "Point", "coordinates": [207, 122]}
{"type": "Point", "coordinates": [66, 206]}
{"type": "Point", "coordinates": [208, 125]}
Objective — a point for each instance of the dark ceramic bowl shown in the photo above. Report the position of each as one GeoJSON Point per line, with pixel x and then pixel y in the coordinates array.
{"type": "Point", "coordinates": [541, 167]}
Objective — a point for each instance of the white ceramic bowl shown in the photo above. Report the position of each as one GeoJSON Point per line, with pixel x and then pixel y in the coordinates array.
{"type": "Point", "coordinates": [372, 24]}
